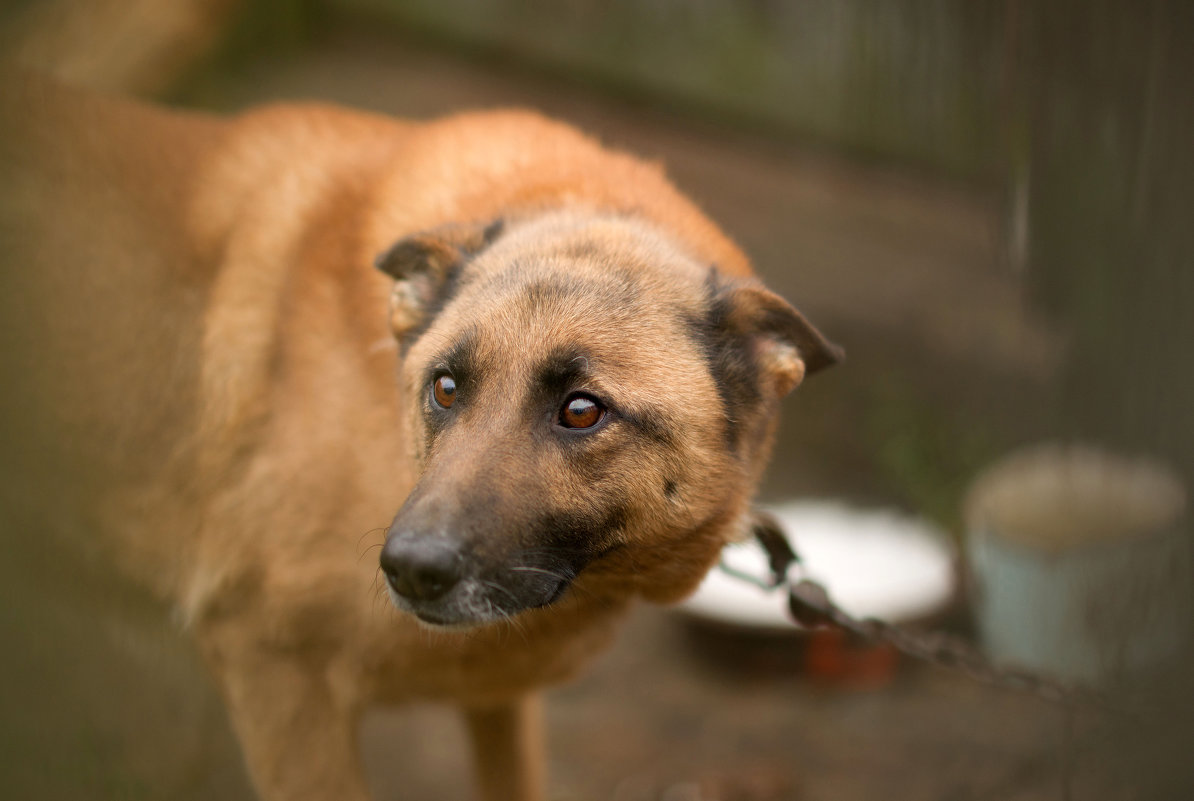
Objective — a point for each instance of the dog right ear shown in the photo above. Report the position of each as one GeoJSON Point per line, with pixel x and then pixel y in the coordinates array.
{"type": "Point", "coordinates": [425, 267]}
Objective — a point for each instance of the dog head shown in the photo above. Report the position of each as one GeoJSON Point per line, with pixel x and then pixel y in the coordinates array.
{"type": "Point", "coordinates": [588, 400]}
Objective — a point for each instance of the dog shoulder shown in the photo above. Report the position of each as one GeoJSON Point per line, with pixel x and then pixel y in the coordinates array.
{"type": "Point", "coordinates": [286, 157]}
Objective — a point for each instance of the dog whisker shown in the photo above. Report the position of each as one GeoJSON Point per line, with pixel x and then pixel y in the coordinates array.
{"type": "Point", "coordinates": [507, 620]}
{"type": "Point", "coordinates": [494, 607]}
{"type": "Point", "coordinates": [381, 595]}
{"type": "Point", "coordinates": [369, 533]}
{"type": "Point", "coordinates": [368, 549]}
{"type": "Point", "coordinates": [501, 620]}
{"type": "Point", "coordinates": [543, 571]}
{"type": "Point", "coordinates": [576, 589]}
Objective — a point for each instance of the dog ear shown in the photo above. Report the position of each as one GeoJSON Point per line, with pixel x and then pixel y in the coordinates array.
{"type": "Point", "coordinates": [425, 267]}
{"type": "Point", "coordinates": [759, 326]}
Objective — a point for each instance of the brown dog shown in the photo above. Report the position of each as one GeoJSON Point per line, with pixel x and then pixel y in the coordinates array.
{"type": "Point", "coordinates": [200, 381]}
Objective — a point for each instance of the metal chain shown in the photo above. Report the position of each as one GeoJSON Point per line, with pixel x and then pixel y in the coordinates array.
{"type": "Point", "coordinates": [810, 605]}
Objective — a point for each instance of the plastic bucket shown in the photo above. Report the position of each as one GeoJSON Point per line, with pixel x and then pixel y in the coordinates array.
{"type": "Point", "coordinates": [1081, 564]}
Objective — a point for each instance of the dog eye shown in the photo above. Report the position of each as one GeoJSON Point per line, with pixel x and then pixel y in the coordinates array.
{"type": "Point", "coordinates": [581, 411]}
{"type": "Point", "coordinates": [443, 391]}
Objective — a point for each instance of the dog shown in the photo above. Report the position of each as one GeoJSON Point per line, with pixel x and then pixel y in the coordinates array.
{"type": "Point", "coordinates": [555, 394]}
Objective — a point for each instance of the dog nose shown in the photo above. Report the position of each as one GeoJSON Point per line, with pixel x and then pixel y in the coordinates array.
{"type": "Point", "coordinates": [421, 569]}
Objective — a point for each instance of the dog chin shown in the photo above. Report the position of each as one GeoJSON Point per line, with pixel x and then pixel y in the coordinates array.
{"type": "Point", "coordinates": [438, 616]}
{"type": "Point", "coordinates": [434, 623]}
{"type": "Point", "coordinates": [464, 611]}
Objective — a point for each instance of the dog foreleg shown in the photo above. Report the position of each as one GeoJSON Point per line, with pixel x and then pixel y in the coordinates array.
{"type": "Point", "coordinates": [507, 742]}
{"type": "Point", "coordinates": [299, 743]}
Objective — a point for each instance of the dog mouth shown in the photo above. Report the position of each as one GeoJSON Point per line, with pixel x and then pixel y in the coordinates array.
{"type": "Point", "coordinates": [474, 602]}
{"type": "Point", "coordinates": [446, 582]}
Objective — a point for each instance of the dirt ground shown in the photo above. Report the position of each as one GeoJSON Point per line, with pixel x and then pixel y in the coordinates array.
{"type": "Point", "coordinates": [903, 269]}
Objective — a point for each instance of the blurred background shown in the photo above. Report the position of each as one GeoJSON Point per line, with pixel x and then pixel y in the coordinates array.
{"type": "Point", "coordinates": [987, 203]}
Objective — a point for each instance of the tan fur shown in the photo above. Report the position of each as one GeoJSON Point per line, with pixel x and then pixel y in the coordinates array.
{"type": "Point", "coordinates": [205, 380]}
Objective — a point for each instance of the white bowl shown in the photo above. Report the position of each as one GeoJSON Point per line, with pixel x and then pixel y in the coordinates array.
{"type": "Point", "coordinates": [873, 563]}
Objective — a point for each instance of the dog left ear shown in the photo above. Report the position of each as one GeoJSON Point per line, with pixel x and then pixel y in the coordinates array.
{"type": "Point", "coordinates": [785, 346]}
{"type": "Point", "coordinates": [425, 266]}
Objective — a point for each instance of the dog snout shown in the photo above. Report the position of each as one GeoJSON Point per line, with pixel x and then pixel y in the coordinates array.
{"type": "Point", "coordinates": [422, 569]}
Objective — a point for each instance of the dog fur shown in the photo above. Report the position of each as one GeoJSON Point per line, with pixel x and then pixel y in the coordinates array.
{"type": "Point", "coordinates": [208, 382]}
